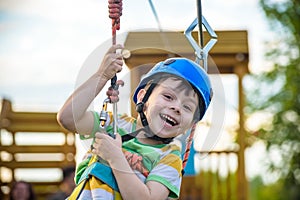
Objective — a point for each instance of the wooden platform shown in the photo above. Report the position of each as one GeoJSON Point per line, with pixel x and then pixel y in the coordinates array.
{"type": "Point", "coordinates": [17, 155]}
{"type": "Point", "coordinates": [230, 51]}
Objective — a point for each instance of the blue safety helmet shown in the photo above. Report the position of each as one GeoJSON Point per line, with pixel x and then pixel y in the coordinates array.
{"type": "Point", "coordinates": [185, 69]}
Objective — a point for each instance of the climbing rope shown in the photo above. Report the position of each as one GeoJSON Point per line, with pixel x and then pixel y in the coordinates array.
{"type": "Point", "coordinates": [115, 12]}
{"type": "Point", "coordinates": [189, 143]}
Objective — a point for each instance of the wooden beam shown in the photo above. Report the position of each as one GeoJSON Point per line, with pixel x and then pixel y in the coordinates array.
{"type": "Point", "coordinates": [65, 149]}
{"type": "Point", "coordinates": [217, 63]}
{"type": "Point", "coordinates": [33, 116]}
{"type": "Point", "coordinates": [33, 127]}
{"type": "Point", "coordinates": [152, 47]}
{"type": "Point", "coordinates": [37, 164]}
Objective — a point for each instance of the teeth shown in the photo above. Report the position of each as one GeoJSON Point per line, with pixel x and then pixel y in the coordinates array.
{"type": "Point", "coordinates": [169, 119]}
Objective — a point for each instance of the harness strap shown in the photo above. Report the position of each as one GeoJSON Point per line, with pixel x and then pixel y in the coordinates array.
{"type": "Point", "coordinates": [132, 135]}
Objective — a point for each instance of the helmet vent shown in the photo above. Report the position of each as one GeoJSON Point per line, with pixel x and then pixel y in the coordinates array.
{"type": "Point", "coordinates": [169, 61]}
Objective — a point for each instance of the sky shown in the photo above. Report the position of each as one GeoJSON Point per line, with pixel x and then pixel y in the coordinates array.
{"type": "Point", "coordinates": [44, 44]}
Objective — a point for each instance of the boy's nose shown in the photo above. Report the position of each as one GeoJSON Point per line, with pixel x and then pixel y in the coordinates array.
{"type": "Point", "coordinates": [175, 108]}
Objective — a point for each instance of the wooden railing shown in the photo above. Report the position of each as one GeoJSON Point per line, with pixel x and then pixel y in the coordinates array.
{"type": "Point", "coordinates": [216, 178]}
{"type": "Point", "coordinates": [31, 142]}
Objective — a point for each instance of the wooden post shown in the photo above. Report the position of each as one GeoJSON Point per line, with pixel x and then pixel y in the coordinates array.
{"type": "Point", "coordinates": [242, 183]}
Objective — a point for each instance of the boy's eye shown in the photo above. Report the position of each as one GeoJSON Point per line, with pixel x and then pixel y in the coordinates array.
{"type": "Point", "coordinates": [168, 96]}
{"type": "Point", "coordinates": [187, 107]}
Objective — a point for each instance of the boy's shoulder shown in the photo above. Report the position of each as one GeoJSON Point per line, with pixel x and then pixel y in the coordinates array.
{"type": "Point", "coordinates": [127, 118]}
{"type": "Point", "coordinates": [171, 148]}
{"type": "Point", "coordinates": [126, 122]}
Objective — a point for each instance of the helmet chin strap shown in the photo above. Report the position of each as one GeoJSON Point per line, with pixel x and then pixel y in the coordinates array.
{"type": "Point", "coordinates": [148, 133]}
{"type": "Point", "coordinates": [140, 109]}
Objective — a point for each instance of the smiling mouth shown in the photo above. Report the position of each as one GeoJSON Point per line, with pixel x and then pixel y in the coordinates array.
{"type": "Point", "coordinates": [168, 119]}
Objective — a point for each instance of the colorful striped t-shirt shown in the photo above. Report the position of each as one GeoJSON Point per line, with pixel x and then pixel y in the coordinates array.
{"type": "Point", "coordinates": [161, 163]}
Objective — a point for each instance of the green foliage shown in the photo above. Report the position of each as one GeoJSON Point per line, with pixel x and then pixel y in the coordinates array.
{"type": "Point", "coordinates": [279, 93]}
{"type": "Point", "coordinates": [260, 191]}
{"type": "Point", "coordinates": [215, 187]}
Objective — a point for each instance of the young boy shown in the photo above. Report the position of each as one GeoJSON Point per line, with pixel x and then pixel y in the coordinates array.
{"type": "Point", "coordinates": [140, 162]}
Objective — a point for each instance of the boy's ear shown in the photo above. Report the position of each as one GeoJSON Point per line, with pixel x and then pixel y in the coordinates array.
{"type": "Point", "coordinates": [141, 95]}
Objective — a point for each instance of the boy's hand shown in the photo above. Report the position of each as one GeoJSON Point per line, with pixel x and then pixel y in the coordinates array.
{"type": "Point", "coordinates": [112, 62]}
{"type": "Point", "coordinates": [107, 147]}
{"type": "Point", "coordinates": [113, 93]}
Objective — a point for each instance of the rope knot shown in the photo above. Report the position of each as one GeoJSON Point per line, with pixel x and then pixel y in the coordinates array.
{"type": "Point", "coordinates": [115, 12]}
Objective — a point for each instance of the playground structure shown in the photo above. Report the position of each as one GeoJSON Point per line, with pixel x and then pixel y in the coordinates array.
{"type": "Point", "coordinates": [230, 55]}
{"type": "Point", "coordinates": [16, 156]}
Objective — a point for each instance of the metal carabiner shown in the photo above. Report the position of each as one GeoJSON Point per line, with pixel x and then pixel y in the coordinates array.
{"type": "Point", "coordinates": [200, 51]}
{"type": "Point", "coordinates": [103, 114]}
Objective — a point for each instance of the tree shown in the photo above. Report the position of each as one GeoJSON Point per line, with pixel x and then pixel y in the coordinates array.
{"type": "Point", "coordinates": [279, 93]}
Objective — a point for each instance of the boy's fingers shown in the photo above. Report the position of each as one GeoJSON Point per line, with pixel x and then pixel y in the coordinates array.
{"type": "Point", "coordinates": [112, 92]}
{"type": "Point", "coordinates": [118, 137]}
{"type": "Point", "coordinates": [114, 48]}
{"type": "Point", "coordinates": [99, 135]}
{"type": "Point", "coordinates": [114, 99]}
{"type": "Point", "coordinates": [120, 82]}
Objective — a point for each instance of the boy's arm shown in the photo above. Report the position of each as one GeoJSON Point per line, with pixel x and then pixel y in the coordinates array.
{"type": "Point", "coordinates": [74, 115]}
{"type": "Point", "coordinates": [130, 186]}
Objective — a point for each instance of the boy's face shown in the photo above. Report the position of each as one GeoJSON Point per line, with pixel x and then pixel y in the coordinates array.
{"type": "Point", "coordinates": [170, 108]}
